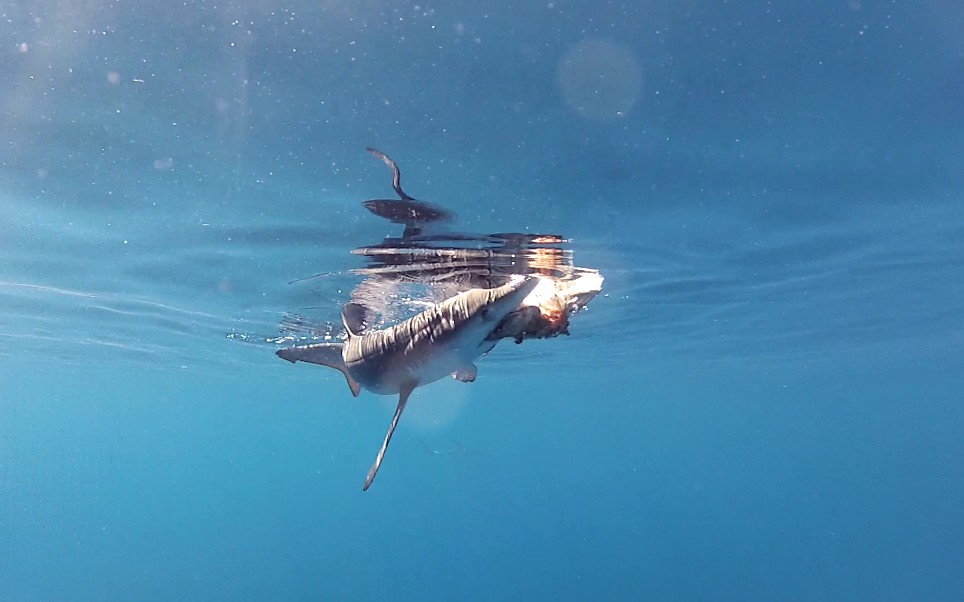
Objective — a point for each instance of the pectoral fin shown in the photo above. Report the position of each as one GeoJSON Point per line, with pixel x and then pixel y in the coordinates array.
{"type": "Point", "coordinates": [402, 400]}
{"type": "Point", "coordinates": [323, 354]}
{"type": "Point", "coordinates": [466, 374]}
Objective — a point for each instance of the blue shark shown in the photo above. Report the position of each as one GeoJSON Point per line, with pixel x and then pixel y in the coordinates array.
{"type": "Point", "coordinates": [443, 340]}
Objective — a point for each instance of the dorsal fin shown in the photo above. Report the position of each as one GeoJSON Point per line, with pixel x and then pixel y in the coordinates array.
{"type": "Point", "coordinates": [355, 318]}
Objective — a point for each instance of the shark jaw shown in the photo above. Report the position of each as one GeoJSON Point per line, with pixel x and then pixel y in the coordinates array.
{"type": "Point", "coordinates": [444, 339]}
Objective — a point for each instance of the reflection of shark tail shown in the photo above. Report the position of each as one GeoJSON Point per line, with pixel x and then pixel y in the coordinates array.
{"type": "Point", "coordinates": [396, 173]}
{"type": "Point", "coordinates": [414, 214]}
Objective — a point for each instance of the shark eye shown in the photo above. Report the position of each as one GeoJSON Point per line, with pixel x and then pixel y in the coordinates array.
{"type": "Point", "coordinates": [485, 313]}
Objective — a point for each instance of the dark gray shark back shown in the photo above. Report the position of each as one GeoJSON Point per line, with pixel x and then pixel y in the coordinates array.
{"type": "Point", "coordinates": [434, 326]}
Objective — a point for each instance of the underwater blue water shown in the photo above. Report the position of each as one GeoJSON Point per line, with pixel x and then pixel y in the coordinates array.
{"type": "Point", "coordinates": [764, 403]}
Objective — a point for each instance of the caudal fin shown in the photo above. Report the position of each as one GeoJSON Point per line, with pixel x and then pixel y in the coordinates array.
{"type": "Point", "coordinates": [402, 400]}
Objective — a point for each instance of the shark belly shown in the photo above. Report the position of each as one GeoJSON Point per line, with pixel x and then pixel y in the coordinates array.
{"type": "Point", "coordinates": [420, 364]}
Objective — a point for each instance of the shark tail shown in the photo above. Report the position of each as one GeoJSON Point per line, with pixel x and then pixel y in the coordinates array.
{"type": "Point", "coordinates": [403, 394]}
{"type": "Point", "coordinates": [323, 354]}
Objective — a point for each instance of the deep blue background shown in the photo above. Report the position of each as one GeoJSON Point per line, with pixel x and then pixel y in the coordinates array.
{"type": "Point", "coordinates": [764, 404]}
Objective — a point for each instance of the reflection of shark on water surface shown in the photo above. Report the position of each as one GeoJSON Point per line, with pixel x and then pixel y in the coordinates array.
{"type": "Point", "coordinates": [449, 262]}
{"type": "Point", "coordinates": [494, 286]}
